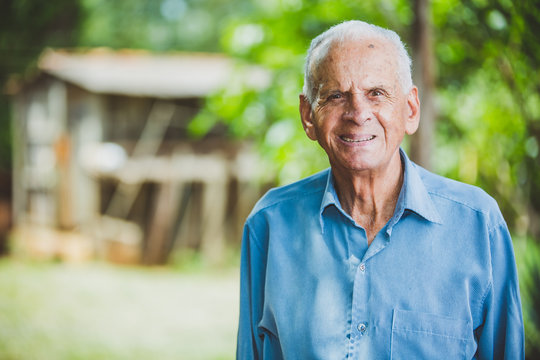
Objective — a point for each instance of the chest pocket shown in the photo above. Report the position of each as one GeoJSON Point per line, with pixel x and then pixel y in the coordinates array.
{"type": "Point", "coordinates": [417, 335]}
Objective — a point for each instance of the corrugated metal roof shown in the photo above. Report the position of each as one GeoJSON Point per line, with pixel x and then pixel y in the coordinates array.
{"type": "Point", "coordinates": [140, 73]}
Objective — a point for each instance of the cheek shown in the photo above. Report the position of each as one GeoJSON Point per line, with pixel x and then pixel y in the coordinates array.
{"type": "Point", "coordinates": [326, 120]}
{"type": "Point", "coordinates": [393, 119]}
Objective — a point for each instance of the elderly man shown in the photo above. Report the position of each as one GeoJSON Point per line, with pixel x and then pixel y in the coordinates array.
{"type": "Point", "coordinates": [374, 258]}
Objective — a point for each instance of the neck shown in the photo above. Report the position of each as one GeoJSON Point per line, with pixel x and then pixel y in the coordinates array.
{"type": "Point", "coordinates": [370, 197]}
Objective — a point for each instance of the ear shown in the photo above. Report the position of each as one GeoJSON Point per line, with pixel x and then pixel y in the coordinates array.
{"type": "Point", "coordinates": [413, 108]}
{"type": "Point", "coordinates": [306, 114]}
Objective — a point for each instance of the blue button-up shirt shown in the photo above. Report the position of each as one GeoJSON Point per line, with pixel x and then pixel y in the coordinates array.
{"type": "Point", "coordinates": [438, 281]}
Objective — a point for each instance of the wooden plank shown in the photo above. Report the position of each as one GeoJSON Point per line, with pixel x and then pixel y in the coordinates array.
{"type": "Point", "coordinates": [165, 210]}
{"type": "Point", "coordinates": [213, 221]}
{"type": "Point", "coordinates": [148, 145]}
{"type": "Point", "coordinates": [64, 194]}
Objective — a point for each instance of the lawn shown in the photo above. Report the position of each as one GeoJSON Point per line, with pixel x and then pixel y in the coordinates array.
{"type": "Point", "coordinates": [97, 311]}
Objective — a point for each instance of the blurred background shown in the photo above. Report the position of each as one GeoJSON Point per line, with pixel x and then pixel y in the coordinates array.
{"type": "Point", "coordinates": [136, 135]}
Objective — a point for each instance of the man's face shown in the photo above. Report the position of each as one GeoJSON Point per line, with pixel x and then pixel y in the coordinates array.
{"type": "Point", "coordinates": [361, 113]}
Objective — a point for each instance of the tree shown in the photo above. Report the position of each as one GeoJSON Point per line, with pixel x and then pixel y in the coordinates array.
{"type": "Point", "coordinates": [276, 35]}
{"type": "Point", "coordinates": [27, 27]}
{"type": "Point", "coordinates": [489, 104]}
{"type": "Point", "coordinates": [422, 142]}
{"type": "Point", "coordinates": [160, 25]}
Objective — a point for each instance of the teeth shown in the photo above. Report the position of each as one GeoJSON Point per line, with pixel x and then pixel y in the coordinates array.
{"type": "Point", "coordinates": [359, 140]}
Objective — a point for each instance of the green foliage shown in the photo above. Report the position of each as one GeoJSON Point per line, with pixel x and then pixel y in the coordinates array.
{"type": "Point", "coordinates": [484, 141]}
{"type": "Point", "coordinates": [487, 57]}
{"type": "Point", "coordinates": [27, 27]}
{"type": "Point", "coordinates": [528, 259]}
{"type": "Point", "coordinates": [162, 25]}
{"type": "Point", "coordinates": [488, 130]}
{"type": "Point", "coordinates": [486, 51]}
{"type": "Point", "coordinates": [276, 35]}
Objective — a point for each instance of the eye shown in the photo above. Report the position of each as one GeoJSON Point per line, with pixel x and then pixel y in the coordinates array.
{"type": "Point", "coordinates": [376, 92]}
{"type": "Point", "coordinates": [335, 96]}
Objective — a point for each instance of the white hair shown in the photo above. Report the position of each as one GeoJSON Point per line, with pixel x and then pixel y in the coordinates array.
{"type": "Point", "coordinates": [353, 30]}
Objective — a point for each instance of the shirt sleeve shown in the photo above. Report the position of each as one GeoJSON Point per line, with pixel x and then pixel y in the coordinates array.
{"type": "Point", "coordinates": [502, 336]}
{"type": "Point", "coordinates": [252, 276]}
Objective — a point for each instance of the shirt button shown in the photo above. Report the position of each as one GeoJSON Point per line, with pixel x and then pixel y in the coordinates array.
{"type": "Point", "coordinates": [362, 327]}
{"type": "Point", "coordinates": [362, 267]}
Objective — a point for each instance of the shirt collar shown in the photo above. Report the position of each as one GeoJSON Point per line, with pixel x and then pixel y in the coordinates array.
{"type": "Point", "coordinates": [412, 197]}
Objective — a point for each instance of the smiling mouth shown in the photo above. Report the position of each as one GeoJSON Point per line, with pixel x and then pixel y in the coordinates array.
{"type": "Point", "coordinates": [357, 140]}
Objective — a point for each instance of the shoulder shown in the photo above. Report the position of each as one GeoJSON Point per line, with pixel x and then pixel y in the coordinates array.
{"type": "Point", "coordinates": [459, 195]}
{"type": "Point", "coordinates": [284, 195]}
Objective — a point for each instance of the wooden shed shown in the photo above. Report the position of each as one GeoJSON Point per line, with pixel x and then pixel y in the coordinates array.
{"type": "Point", "coordinates": [104, 165]}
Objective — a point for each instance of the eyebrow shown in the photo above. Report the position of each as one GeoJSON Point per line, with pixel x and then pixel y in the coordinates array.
{"type": "Point", "coordinates": [330, 90]}
{"type": "Point", "coordinates": [379, 86]}
{"type": "Point", "coordinates": [324, 92]}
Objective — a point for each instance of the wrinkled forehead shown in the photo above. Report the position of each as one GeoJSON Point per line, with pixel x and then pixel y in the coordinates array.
{"type": "Point", "coordinates": [353, 56]}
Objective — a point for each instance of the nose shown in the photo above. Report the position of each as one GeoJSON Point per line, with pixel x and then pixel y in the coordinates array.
{"type": "Point", "coordinates": [358, 109]}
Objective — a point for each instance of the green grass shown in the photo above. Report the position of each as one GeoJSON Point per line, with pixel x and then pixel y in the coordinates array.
{"type": "Point", "coordinates": [97, 311]}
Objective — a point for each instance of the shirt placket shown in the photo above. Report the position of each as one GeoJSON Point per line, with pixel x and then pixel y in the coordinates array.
{"type": "Point", "coordinates": [361, 320]}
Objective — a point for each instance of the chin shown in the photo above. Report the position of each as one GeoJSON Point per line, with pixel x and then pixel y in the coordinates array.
{"type": "Point", "coordinates": [358, 166]}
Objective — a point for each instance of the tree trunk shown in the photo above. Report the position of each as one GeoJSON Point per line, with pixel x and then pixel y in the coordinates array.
{"type": "Point", "coordinates": [422, 143]}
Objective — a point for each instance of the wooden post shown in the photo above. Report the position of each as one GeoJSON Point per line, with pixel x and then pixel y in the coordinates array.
{"type": "Point", "coordinates": [19, 153]}
{"type": "Point", "coordinates": [58, 117]}
{"type": "Point", "coordinates": [63, 150]}
{"type": "Point", "coordinates": [422, 143]}
{"type": "Point", "coordinates": [86, 133]}
{"type": "Point", "coordinates": [247, 171]}
{"type": "Point", "coordinates": [214, 203]}
{"type": "Point", "coordinates": [188, 216]}
{"type": "Point", "coordinates": [166, 206]}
